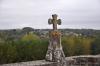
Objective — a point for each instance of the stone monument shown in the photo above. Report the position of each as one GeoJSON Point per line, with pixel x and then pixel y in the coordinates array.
{"type": "Point", "coordinates": [55, 52]}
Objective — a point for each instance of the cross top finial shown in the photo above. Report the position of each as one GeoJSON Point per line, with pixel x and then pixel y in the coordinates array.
{"type": "Point", "coordinates": [54, 16]}
{"type": "Point", "coordinates": [54, 21]}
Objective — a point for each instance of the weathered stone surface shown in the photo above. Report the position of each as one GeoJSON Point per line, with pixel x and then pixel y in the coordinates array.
{"type": "Point", "coordinates": [83, 60]}
{"type": "Point", "coordinates": [70, 61]}
{"type": "Point", "coordinates": [32, 63]}
{"type": "Point", "coordinates": [55, 52]}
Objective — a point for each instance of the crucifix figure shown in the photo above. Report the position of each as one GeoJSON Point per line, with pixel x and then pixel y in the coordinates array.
{"type": "Point", "coordinates": [54, 21]}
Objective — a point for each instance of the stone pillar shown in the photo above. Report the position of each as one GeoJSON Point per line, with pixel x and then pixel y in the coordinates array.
{"type": "Point", "coordinates": [55, 52]}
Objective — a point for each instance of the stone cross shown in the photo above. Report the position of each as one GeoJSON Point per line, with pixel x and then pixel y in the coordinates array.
{"type": "Point", "coordinates": [55, 52]}
{"type": "Point", "coordinates": [54, 21]}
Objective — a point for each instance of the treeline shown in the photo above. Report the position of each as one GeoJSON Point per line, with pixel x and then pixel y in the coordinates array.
{"type": "Point", "coordinates": [29, 47]}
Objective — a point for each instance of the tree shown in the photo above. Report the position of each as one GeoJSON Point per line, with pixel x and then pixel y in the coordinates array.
{"type": "Point", "coordinates": [96, 45]}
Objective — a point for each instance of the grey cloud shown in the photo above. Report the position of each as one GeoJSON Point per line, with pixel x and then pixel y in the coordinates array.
{"type": "Point", "coordinates": [35, 13]}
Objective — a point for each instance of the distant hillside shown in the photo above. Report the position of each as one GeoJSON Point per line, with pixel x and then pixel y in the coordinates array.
{"type": "Point", "coordinates": [17, 33]}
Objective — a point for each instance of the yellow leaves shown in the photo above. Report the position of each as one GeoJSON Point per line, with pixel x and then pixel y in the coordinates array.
{"type": "Point", "coordinates": [86, 43]}
{"type": "Point", "coordinates": [77, 44]}
{"type": "Point", "coordinates": [30, 37]}
{"type": "Point", "coordinates": [70, 44]}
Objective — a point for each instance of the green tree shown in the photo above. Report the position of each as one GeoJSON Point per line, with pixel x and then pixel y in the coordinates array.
{"type": "Point", "coordinates": [96, 45]}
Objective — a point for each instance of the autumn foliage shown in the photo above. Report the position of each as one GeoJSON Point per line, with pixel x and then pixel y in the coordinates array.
{"type": "Point", "coordinates": [31, 47]}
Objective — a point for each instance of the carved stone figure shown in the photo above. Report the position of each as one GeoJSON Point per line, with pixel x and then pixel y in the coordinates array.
{"type": "Point", "coordinates": [55, 52]}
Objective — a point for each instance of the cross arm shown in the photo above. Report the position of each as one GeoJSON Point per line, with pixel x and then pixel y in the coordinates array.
{"type": "Point", "coordinates": [49, 21]}
{"type": "Point", "coordinates": [59, 22]}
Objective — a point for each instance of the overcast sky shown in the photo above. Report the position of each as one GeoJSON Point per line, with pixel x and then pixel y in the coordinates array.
{"type": "Point", "coordinates": [35, 13]}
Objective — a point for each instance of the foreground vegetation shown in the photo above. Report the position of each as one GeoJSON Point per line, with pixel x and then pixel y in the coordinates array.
{"type": "Point", "coordinates": [31, 47]}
